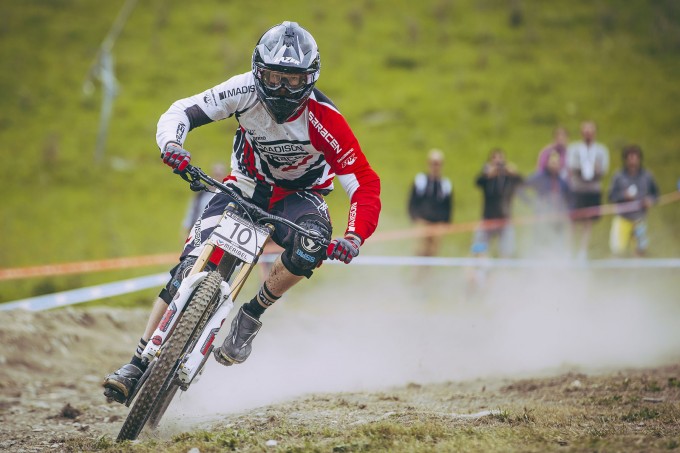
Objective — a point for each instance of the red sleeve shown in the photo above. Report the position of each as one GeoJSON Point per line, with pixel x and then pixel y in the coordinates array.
{"type": "Point", "coordinates": [330, 133]}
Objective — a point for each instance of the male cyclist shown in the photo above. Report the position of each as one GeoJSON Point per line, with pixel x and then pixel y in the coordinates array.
{"type": "Point", "coordinates": [290, 143]}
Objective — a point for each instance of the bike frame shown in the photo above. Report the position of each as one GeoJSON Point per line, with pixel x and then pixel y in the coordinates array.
{"type": "Point", "coordinates": [193, 362]}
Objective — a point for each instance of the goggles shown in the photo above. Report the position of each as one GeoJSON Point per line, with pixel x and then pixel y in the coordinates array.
{"type": "Point", "coordinates": [294, 82]}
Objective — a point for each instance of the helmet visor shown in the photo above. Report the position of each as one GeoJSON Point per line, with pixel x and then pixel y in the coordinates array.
{"type": "Point", "coordinates": [293, 81]}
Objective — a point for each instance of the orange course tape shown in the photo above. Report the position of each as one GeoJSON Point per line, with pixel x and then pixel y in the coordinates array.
{"type": "Point", "coordinates": [443, 229]}
{"type": "Point", "coordinates": [431, 230]}
{"type": "Point", "coordinates": [87, 266]}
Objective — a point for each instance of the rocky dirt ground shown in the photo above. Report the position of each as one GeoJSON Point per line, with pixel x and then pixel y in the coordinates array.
{"type": "Point", "coordinates": [52, 368]}
{"type": "Point", "coordinates": [52, 364]}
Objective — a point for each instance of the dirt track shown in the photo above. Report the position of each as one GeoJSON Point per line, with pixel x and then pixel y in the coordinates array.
{"type": "Point", "coordinates": [54, 359]}
{"type": "Point", "coordinates": [53, 363]}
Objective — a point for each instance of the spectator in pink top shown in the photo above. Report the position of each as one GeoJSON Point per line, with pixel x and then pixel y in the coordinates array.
{"type": "Point", "coordinates": [559, 146]}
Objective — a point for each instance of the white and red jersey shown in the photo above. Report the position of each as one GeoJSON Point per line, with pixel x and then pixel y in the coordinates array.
{"type": "Point", "coordinates": [304, 153]}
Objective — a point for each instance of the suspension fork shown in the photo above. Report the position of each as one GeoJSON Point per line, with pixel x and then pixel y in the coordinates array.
{"type": "Point", "coordinates": [243, 273]}
{"type": "Point", "coordinates": [176, 306]}
{"type": "Point", "coordinates": [188, 285]}
{"type": "Point", "coordinates": [193, 362]}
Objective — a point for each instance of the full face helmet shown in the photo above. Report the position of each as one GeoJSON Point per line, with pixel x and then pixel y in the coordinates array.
{"type": "Point", "coordinates": [286, 66]}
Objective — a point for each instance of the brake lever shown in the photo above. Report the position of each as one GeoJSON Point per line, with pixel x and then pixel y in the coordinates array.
{"type": "Point", "coordinates": [197, 186]}
{"type": "Point", "coordinates": [192, 176]}
{"type": "Point", "coordinates": [316, 237]}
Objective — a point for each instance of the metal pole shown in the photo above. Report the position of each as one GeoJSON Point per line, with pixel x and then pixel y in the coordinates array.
{"type": "Point", "coordinates": [110, 86]}
{"type": "Point", "coordinates": [103, 70]}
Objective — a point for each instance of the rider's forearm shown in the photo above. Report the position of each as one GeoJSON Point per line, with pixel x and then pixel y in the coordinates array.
{"type": "Point", "coordinates": [173, 125]}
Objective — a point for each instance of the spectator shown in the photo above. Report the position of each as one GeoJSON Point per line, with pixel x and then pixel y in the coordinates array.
{"type": "Point", "coordinates": [631, 184]}
{"type": "Point", "coordinates": [550, 187]}
{"type": "Point", "coordinates": [559, 146]}
{"type": "Point", "coordinates": [201, 199]}
{"type": "Point", "coordinates": [498, 182]}
{"type": "Point", "coordinates": [550, 203]}
{"type": "Point", "coordinates": [431, 201]}
{"type": "Point", "coordinates": [587, 164]}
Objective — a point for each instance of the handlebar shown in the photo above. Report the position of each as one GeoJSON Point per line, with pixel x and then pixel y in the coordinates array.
{"type": "Point", "coordinates": [195, 177]}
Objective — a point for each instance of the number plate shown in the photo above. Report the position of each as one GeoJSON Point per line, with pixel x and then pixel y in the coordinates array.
{"type": "Point", "coordinates": [239, 237]}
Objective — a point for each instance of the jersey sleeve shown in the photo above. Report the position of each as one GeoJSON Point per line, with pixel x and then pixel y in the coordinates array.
{"type": "Point", "coordinates": [330, 133]}
{"type": "Point", "coordinates": [542, 161]}
{"type": "Point", "coordinates": [413, 202]}
{"type": "Point", "coordinates": [214, 104]}
{"type": "Point", "coordinates": [615, 194]}
{"type": "Point", "coordinates": [653, 187]}
{"type": "Point", "coordinates": [448, 199]}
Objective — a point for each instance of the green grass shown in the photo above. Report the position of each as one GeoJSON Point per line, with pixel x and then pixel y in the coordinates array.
{"type": "Point", "coordinates": [523, 430]}
{"type": "Point", "coordinates": [409, 76]}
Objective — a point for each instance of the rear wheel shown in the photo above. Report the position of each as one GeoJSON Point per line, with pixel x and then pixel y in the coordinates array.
{"type": "Point", "coordinates": [158, 390]}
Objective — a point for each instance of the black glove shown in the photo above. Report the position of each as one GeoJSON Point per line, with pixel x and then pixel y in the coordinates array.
{"type": "Point", "coordinates": [175, 156]}
{"type": "Point", "coordinates": [344, 249]}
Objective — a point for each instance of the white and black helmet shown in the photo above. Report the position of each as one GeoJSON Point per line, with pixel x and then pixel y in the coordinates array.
{"type": "Point", "coordinates": [286, 66]}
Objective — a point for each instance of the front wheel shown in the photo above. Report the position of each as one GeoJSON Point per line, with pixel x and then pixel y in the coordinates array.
{"type": "Point", "coordinates": [158, 389]}
{"type": "Point", "coordinates": [161, 406]}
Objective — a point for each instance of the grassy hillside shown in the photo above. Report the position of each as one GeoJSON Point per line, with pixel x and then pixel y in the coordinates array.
{"type": "Point", "coordinates": [463, 76]}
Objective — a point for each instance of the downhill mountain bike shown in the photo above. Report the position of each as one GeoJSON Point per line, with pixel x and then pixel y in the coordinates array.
{"type": "Point", "coordinates": [183, 341]}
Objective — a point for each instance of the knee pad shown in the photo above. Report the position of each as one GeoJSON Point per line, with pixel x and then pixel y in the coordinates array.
{"type": "Point", "coordinates": [303, 255]}
{"type": "Point", "coordinates": [178, 273]}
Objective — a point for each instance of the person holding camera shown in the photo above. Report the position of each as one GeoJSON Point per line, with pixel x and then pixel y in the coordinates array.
{"type": "Point", "coordinates": [498, 182]}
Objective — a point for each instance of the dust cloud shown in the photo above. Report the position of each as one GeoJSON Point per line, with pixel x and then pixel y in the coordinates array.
{"type": "Point", "coordinates": [368, 330]}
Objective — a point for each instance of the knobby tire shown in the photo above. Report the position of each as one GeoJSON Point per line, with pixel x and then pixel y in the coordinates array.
{"type": "Point", "coordinates": [161, 406]}
{"type": "Point", "coordinates": [226, 268]}
{"type": "Point", "coordinates": [158, 388]}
